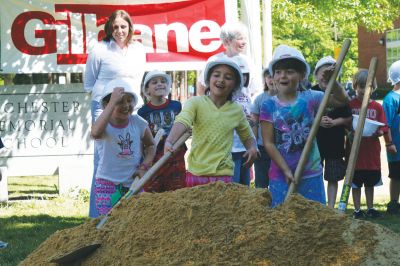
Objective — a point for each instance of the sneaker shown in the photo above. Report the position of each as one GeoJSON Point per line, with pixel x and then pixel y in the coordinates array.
{"type": "Point", "coordinates": [393, 207]}
{"type": "Point", "coordinates": [372, 213]}
{"type": "Point", "coordinates": [358, 214]}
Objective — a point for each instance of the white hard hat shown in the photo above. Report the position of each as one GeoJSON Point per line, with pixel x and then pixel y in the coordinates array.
{"type": "Point", "coordinates": [224, 61]}
{"type": "Point", "coordinates": [327, 60]}
{"type": "Point", "coordinates": [242, 63]}
{"type": "Point", "coordinates": [394, 73]}
{"type": "Point", "coordinates": [283, 52]}
{"type": "Point", "coordinates": [153, 74]}
{"type": "Point", "coordinates": [125, 83]}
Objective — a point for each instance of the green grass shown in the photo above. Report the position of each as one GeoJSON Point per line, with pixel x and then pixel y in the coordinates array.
{"type": "Point", "coordinates": [25, 224]}
{"type": "Point", "coordinates": [390, 221]}
{"type": "Point", "coordinates": [33, 186]}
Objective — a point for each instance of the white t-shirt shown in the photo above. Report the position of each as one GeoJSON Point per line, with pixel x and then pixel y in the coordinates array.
{"type": "Point", "coordinates": [120, 151]}
{"type": "Point", "coordinates": [108, 61]}
{"type": "Point", "coordinates": [245, 101]}
{"type": "Point", "coordinates": [255, 109]}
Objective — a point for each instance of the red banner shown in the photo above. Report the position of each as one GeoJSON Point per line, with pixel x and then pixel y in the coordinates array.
{"type": "Point", "coordinates": [57, 37]}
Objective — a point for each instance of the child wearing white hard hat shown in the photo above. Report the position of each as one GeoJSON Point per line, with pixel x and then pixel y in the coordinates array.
{"type": "Point", "coordinates": [391, 106]}
{"type": "Point", "coordinates": [160, 113]}
{"type": "Point", "coordinates": [213, 118]}
{"type": "Point", "coordinates": [331, 133]}
{"type": "Point", "coordinates": [367, 171]}
{"type": "Point", "coordinates": [124, 142]}
{"type": "Point", "coordinates": [286, 120]}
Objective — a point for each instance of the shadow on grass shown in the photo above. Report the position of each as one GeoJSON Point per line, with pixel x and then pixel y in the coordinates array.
{"type": "Point", "coordinates": [25, 233]}
{"type": "Point", "coordinates": [34, 191]}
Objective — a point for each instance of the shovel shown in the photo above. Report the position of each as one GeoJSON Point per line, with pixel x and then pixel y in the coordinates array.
{"type": "Point", "coordinates": [344, 198]}
{"type": "Point", "coordinates": [75, 256]}
{"type": "Point", "coordinates": [313, 131]}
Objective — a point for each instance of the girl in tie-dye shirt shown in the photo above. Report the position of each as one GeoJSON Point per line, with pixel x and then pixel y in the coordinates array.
{"type": "Point", "coordinates": [286, 121]}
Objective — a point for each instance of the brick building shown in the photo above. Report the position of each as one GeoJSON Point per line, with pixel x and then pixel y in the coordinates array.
{"type": "Point", "coordinates": [385, 46]}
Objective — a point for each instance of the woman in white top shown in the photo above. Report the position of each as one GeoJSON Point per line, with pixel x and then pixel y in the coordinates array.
{"type": "Point", "coordinates": [116, 56]}
{"type": "Point", "coordinates": [234, 39]}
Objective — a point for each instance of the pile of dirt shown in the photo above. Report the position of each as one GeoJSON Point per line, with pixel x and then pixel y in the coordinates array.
{"type": "Point", "coordinates": [226, 224]}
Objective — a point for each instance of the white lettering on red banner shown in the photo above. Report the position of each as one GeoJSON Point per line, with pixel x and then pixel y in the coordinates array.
{"type": "Point", "coordinates": [58, 39]}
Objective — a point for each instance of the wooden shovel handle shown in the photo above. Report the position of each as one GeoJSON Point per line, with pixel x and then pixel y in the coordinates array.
{"type": "Point", "coordinates": [313, 132]}
{"type": "Point", "coordinates": [344, 198]}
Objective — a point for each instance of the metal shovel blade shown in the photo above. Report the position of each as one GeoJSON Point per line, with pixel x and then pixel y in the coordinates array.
{"type": "Point", "coordinates": [76, 255]}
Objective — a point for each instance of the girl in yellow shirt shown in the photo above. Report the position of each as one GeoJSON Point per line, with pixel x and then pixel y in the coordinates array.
{"type": "Point", "coordinates": [213, 118]}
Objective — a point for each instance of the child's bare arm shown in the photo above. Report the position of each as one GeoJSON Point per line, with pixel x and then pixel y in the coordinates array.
{"type": "Point", "coordinates": [339, 96]}
{"type": "Point", "coordinates": [149, 151]}
{"type": "Point", "coordinates": [267, 132]}
{"type": "Point", "coordinates": [251, 151]}
{"type": "Point", "coordinates": [149, 148]}
{"type": "Point", "coordinates": [328, 122]}
{"type": "Point", "coordinates": [176, 132]}
{"type": "Point", "coordinates": [100, 124]}
{"type": "Point", "coordinates": [390, 147]}
{"type": "Point", "coordinates": [254, 126]}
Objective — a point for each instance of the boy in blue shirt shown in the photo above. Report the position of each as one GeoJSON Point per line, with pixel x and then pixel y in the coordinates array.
{"type": "Point", "coordinates": [391, 107]}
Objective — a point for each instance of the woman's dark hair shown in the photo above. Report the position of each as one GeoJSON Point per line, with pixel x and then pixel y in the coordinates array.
{"type": "Point", "coordinates": [108, 27]}
{"type": "Point", "coordinates": [207, 91]}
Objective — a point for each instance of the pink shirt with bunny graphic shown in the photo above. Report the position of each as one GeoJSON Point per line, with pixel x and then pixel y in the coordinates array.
{"type": "Point", "coordinates": [120, 151]}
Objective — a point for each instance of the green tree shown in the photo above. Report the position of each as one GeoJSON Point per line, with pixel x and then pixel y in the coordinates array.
{"type": "Point", "coordinates": [317, 26]}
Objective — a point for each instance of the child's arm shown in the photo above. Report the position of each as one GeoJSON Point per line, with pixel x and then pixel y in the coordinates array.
{"type": "Point", "coordinates": [100, 124]}
{"type": "Point", "coordinates": [390, 147]}
{"type": "Point", "coordinates": [149, 151]}
{"type": "Point", "coordinates": [251, 151]}
{"type": "Point", "coordinates": [339, 97]}
{"type": "Point", "coordinates": [328, 122]}
{"type": "Point", "coordinates": [267, 132]}
{"type": "Point", "coordinates": [176, 132]}
{"type": "Point", "coordinates": [255, 124]}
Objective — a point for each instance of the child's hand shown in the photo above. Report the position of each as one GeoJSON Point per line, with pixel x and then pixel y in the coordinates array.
{"type": "Point", "coordinates": [327, 72]}
{"type": "Point", "coordinates": [289, 178]}
{"type": "Point", "coordinates": [274, 89]}
{"type": "Point", "coordinates": [116, 95]}
{"type": "Point", "coordinates": [140, 173]}
{"type": "Point", "coordinates": [251, 155]}
{"type": "Point", "coordinates": [377, 133]}
{"type": "Point", "coordinates": [391, 149]}
{"type": "Point", "coordinates": [327, 122]}
{"type": "Point", "coordinates": [168, 147]}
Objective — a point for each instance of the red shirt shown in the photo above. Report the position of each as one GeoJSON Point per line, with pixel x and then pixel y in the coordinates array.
{"type": "Point", "coordinates": [369, 154]}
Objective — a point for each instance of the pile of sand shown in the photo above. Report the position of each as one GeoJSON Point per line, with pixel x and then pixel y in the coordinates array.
{"type": "Point", "coordinates": [226, 224]}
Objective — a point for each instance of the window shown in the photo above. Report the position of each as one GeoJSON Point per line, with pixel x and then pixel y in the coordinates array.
{"type": "Point", "coordinates": [392, 47]}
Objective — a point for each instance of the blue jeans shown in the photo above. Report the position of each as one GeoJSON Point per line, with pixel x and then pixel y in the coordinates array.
{"type": "Point", "coordinates": [241, 174]}
{"type": "Point", "coordinates": [93, 213]}
{"type": "Point", "coordinates": [310, 188]}
{"type": "Point", "coordinates": [261, 168]}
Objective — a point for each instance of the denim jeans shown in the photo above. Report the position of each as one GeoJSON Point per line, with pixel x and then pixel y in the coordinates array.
{"type": "Point", "coordinates": [241, 174]}
{"type": "Point", "coordinates": [310, 188]}
{"type": "Point", "coordinates": [93, 213]}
